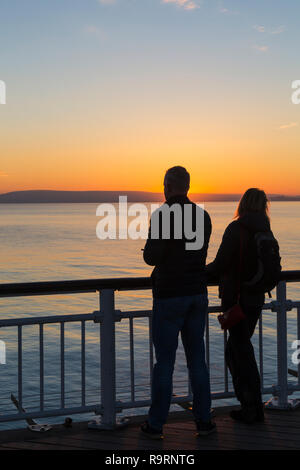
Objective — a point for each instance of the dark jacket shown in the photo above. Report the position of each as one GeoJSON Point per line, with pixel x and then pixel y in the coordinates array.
{"type": "Point", "coordinates": [178, 271]}
{"type": "Point", "coordinates": [229, 268]}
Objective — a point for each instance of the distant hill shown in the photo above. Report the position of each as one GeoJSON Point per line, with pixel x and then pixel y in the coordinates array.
{"type": "Point", "coordinates": [46, 196]}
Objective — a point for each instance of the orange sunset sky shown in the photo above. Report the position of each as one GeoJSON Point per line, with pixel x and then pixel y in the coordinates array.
{"type": "Point", "coordinates": [106, 95]}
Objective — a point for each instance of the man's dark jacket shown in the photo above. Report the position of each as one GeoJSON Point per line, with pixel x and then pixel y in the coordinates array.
{"type": "Point", "coordinates": [178, 271]}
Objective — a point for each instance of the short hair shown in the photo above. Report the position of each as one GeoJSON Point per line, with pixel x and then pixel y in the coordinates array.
{"type": "Point", "coordinates": [178, 177]}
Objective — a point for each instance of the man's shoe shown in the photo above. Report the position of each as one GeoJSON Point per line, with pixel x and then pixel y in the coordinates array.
{"type": "Point", "coordinates": [151, 432]}
{"type": "Point", "coordinates": [205, 428]}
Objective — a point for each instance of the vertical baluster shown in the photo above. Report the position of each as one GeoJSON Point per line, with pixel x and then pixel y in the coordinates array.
{"type": "Point", "coordinates": [20, 378]}
{"type": "Point", "coordinates": [282, 363]}
{"type": "Point", "coordinates": [261, 356]}
{"type": "Point", "coordinates": [108, 358]}
{"type": "Point", "coordinates": [132, 360]}
{"type": "Point", "coordinates": [225, 365]}
{"type": "Point", "coordinates": [62, 364]}
{"type": "Point", "coordinates": [41, 367]}
{"type": "Point", "coordinates": [83, 363]}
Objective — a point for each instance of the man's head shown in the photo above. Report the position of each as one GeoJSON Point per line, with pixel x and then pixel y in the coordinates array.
{"type": "Point", "coordinates": [176, 182]}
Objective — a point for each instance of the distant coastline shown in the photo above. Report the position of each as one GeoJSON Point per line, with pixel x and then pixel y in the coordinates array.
{"type": "Point", "coordinates": [48, 196]}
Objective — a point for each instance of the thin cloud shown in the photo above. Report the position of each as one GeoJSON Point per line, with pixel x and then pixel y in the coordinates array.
{"type": "Point", "coordinates": [262, 48]}
{"type": "Point", "coordinates": [260, 29]}
{"type": "Point", "coordinates": [93, 30]}
{"type": "Point", "coordinates": [106, 2]}
{"type": "Point", "coordinates": [2, 174]}
{"type": "Point", "coordinates": [278, 30]}
{"type": "Point", "coordinates": [263, 29]}
{"type": "Point", "coordinates": [289, 126]}
{"type": "Point", "coordinates": [185, 4]}
{"type": "Point", "coordinates": [226, 11]}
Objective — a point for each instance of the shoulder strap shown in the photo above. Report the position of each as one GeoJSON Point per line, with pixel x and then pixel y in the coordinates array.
{"type": "Point", "coordinates": [242, 244]}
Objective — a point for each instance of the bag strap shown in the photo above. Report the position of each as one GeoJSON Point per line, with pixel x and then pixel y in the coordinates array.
{"type": "Point", "coordinates": [241, 253]}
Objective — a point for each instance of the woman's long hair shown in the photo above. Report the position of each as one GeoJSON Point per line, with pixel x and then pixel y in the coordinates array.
{"type": "Point", "coordinates": [254, 200]}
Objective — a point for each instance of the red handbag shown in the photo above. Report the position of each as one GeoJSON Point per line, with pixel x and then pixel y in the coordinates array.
{"type": "Point", "coordinates": [232, 317]}
{"type": "Point", "coordinates": [235, 314]}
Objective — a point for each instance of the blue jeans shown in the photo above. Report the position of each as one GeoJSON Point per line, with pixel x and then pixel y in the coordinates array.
{"type": "Point", "coordinates": [171, 316]}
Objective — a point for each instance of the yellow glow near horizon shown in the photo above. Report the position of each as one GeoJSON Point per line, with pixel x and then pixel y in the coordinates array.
{"type": "Point", "coordinates": [221, 166]}
{"type": "Point", "coordinates": [71, 151]}
{"type": "Point", "coordinates": [108, 105]}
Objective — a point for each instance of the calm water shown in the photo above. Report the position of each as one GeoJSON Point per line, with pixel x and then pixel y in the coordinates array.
{"type": "Point", "coordinates": [58, 241]}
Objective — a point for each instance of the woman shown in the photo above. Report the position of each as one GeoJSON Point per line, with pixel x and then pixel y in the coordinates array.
{"type": "Point", "coordinates": [235, 263]}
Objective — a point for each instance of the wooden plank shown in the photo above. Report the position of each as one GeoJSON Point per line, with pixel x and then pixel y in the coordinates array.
{"type": "Point", "coordinates": [241, 434]}
{"type": "Point", "coordinates": [69, 443]}
{"type": "Point", "coordinates": [179, 439]}
{"type": "Point", "coordinates": [32, 446]}
{"type": "Point", "coordinates": [101, 443]}
{"type": "Point", "coordinates": [144, 443]}
{"type": "Point", "coordinates": [280, 431]}
{"type": "Point", "coordinates": [8, 448]}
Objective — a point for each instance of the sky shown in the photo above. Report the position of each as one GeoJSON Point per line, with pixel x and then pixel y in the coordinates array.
{"type": "Point", "coordinates": [108, 94]}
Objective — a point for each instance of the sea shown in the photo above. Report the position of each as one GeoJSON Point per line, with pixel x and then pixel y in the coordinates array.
{"type": "Point", "coordinates": [50, 242]}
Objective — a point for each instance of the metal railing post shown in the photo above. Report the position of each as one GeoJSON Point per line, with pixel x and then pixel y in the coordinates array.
{"type": "Point", "coordinates": [281, 400]}
{"type": "Point", "coordinates": [108, 358]}
{"type": "Point", "coordinates": [282, 360]}
{"type": "Point", "coordinates": [108, 420]}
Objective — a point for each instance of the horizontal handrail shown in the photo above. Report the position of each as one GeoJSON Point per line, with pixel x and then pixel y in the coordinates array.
{"type": "Point", "coordinates": [49, 319]}
{"type": "Point", "coordinates": [96, 316]}
{"type": "Point", "coordinates": [73, 286]}
{"type": "Point", "coordinates": [94, 285]}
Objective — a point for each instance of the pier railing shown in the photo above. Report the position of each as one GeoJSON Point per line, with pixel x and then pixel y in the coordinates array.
{"type": "Point", "coordinates": [106, 404]}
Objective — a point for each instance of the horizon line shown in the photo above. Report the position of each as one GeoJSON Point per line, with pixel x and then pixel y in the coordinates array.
{"type": "Point", "coordinates": [138, 191]}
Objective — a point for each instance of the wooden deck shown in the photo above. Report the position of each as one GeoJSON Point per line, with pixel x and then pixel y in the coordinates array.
{"type": "Point", "coordinates": [281, 430]}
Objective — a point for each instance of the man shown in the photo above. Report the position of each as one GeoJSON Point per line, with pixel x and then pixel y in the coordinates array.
{"type": "Point", "coordinates": [179, 301]}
